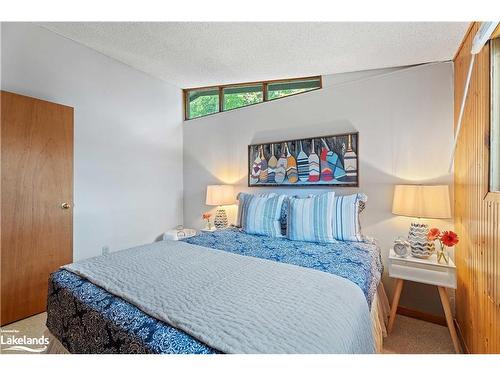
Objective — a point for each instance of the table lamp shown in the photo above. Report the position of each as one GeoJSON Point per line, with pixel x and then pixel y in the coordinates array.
{"type": "Point", "coordinates": [421, 201]}
{"type": "Point", "coordinates": [220, 195]}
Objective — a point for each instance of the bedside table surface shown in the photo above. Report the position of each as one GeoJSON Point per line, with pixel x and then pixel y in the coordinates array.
{"type": "Point", "coordinates": [177, 234]}
{"type": "Point", "coordinates": [432, 260]}
{"type": "Point", "coordinates": [427, 271]}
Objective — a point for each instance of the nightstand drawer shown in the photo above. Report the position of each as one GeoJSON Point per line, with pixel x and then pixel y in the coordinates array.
{"type": "Point", "coordinates": [423, 272]}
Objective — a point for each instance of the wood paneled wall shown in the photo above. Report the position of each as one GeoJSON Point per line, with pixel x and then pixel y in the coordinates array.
{"type": "Point", "coordinates": [476, 217]}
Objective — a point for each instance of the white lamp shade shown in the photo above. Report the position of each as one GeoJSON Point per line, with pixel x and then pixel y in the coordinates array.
{"type": "Point", "coordinates": [425, 201]}
{"type": "Point", "coordinates": [220, 195]}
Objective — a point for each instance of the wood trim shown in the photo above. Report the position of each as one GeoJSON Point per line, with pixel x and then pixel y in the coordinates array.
{"type": "Point", "coordinates": [420, 315]}
{"type": "Point", "coordinates": [496, 33]}
{"type": "Point", "coordinates": [469, 29]}
{"type": "Point", "coordinates": [460, 335]}
{"type": "Point", "coordinates": [256, 82]}
{"type": "Point", "coordinates": [492, 196]}
{"type": "Point", "coordinates": [221, 99]}
{"type": "Point", "coordinates": [265, 98]}
{"type": "Point", "coordinates": [185, 102]}
{"type": "Point", "coordinates": [477, 213]}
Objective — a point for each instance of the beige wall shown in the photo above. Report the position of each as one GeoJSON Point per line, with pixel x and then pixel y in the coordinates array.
{"type": "Point", "coordinates": [405, 123]}
{"type": "Point", "coordinates": [127, 136]}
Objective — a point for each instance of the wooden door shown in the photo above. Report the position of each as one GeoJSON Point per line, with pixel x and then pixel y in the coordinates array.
{"type": "Point", "coordinates": [37, 179]}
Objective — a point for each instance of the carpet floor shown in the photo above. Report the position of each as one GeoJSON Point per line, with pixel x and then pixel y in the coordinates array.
{"type": "Point", "coordinates": [409, 336]}
{"type": "Point", "coordinates": [413, 336]}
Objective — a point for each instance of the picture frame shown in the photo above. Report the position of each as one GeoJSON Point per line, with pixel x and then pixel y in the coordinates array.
{"type": "Point", "coordinates": [331, 160]}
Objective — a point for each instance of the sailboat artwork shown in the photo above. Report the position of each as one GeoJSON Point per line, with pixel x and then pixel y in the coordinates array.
{"type": "Point", "coordinates": [319, 161]}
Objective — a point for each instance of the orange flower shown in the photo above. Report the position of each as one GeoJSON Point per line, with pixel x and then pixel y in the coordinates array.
{"type": "Point", "coordinates": [433, 234]}
{"type": "Point", "coordinates": [449, 238]}
{"type": "Point", "coordinates": [206, 215]}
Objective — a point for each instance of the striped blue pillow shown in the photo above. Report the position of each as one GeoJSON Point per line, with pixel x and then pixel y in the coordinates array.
{"type": "Point", "coordinates": [243, 201]}
{"type": "Point", "coordinates": [310, 219]}
{"type": "Point", "coordinates": [346, 226]}
{"type": "Point", "coordinates": [262, 216]}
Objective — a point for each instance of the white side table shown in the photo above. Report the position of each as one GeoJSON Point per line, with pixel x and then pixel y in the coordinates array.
{"type": "Point", "coordinates": [213, 229]}
{"type": "Point", "coordinates": [178, 234]}
{"type": "Point", "coordinates": [427, 271]}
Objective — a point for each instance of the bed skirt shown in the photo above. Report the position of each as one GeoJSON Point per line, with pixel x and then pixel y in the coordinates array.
{"type": "Point", "coordinates": [379, 317]}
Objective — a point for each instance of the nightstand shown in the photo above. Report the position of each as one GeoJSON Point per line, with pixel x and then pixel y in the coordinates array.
{"type": "Point", "coordinates": [179, 234]}
{"type": "Point", "coordinates": [427, 271]}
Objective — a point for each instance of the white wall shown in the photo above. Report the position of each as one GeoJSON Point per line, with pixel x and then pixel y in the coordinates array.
{"type": "Point", "coordinates": [405, 124]}
{"type": "Point", "coordinates": [127, 136]}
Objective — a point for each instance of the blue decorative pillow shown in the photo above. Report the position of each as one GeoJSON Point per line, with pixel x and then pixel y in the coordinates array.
{"type": "Point", "coordinates": [243, 201]}
{"type": "Point", "coordinates": [310, 219]}
{"type": "Point", "coordinates": [346, 226]}
{"type": "Point", "coordinates": [262, 215]}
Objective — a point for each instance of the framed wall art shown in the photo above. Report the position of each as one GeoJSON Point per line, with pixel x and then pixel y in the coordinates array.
{"type": "Point", "coordinates": [321, 161]}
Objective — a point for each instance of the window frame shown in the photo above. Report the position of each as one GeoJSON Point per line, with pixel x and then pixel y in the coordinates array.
{"type": "Point", "coordinates": [220, 88]}
{"type": "Point", "coordinates": [185, 94]}
{"type": "Point", "coordinates": [491, 195]}
{"type": "Point", "coordinates": [221, 95]}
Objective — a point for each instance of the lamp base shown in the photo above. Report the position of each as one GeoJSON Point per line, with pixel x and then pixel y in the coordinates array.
{"type": "Point", "coordinates": [220, 220]}
{"type": "Point", "coordinates": [421, 247]}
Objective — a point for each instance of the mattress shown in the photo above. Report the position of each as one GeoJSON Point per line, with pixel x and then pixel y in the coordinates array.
{"type": "Point", "coordinates": [87, 319]}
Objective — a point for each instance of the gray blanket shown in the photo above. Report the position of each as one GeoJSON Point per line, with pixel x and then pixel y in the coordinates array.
{"type": "Point", "coordinates": [235, 303]}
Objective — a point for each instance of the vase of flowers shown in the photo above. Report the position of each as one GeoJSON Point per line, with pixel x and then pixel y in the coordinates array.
{"type": "Point", "coordinates": [446, 239]}
{"type": "Point", "coordinates": [206, 216]}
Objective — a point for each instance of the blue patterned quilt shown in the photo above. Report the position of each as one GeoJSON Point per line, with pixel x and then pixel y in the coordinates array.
{"type": "Point", "coordinates": [88, 319]}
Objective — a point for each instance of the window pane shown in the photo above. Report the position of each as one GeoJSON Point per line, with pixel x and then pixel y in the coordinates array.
{"type": "Point", "coordinates": [202, 102]}
{"type": "Point", "coordinates": [495, 117]}
{"type": "Point", "coordinates": [241, 96]}
{"type": "Point", "coordinates": [281, 89]}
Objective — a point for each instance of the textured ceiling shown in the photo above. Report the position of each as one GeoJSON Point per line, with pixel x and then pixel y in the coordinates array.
{"type": "Point", "coordinates": [201, 54]}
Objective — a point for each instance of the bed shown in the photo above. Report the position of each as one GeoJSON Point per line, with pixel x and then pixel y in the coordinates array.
{"type": "Point", "coordinates": [85, 318]}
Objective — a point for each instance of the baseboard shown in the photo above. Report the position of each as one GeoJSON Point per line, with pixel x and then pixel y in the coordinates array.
{"type": "Point", "coordinates": [461, 338]}
{"type": "Point", "coordinates": [2, 324]}
{"type": "Point", "coordinates": [436, 319]}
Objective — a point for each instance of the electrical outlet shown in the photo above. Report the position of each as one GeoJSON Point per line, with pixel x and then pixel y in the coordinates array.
{"type": "Point", "coordinates": [105, 250]}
